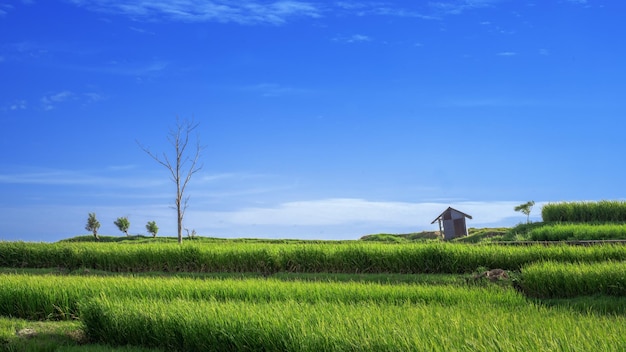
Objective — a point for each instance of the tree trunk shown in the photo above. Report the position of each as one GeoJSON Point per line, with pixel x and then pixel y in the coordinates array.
{"type": "Point", "coordinates": [180, 226]}
{"type": "Point", "coordinates": [178, 138]}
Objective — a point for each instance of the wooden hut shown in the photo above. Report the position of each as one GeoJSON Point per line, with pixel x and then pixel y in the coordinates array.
{"type": "Point", "coordinates": [452, 223]}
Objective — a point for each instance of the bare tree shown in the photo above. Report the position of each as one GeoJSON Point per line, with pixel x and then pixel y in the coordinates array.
{"type": "Point", "coordinates": [182, 166]}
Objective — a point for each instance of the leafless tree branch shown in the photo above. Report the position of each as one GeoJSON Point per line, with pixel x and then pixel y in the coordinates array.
{"type": "Point", "coordinates": [178, 137]}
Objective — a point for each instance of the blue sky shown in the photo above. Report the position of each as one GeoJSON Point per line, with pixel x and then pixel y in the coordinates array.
{"type": "Point", "coordinates": [320, 119]}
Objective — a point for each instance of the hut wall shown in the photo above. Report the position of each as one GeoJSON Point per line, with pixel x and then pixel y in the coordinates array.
{"type": "Point", "coordinates": [454, 225]}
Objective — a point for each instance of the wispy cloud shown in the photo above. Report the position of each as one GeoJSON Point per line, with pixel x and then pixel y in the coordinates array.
{"type": "Point", "coordinates": [486, 102]}
{"type": "Point", "coordinates": [15, 106]}
{"type": "Point", "coordinates": [459, 6]}
{"type": "Point", "coordinates": [355, 38]}
{"type": "Point", "coordinates": [347, 213]}
{"type": "Point", "coordinates": [93, 97]}
{"type": "Point", "coordinates": [113, 175]}
{"type": "Point", "coordinates": [320, 219]}
{"type": "Point", "coordinates": [507, 53]}
{"type": "Point", "coordinates": [272, 89]}
{"type": "Point", "coordinates": [25, 49]}
{"type": "Point", "coordinates": [141, 30]}
{"type": "Point", "coordinates": [225, 11]}
{"type": "Point", "coordinates": [4, 9]}
{"type": "Point", "coordinates": [50, 101]}
{"type": "Point", "coordinates": [132, 69]}
{"type": "Point", "coordinates": [56, 177]}
{"type": "Point", "coordinates": [365, 8]}
{"type": "Point", "coordinates": [94, 187]}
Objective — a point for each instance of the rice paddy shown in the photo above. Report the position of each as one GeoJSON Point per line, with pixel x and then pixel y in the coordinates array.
{"type": "Point", "coordinates": [347, 296]}
{"type": "Point", "coordinates": [570, 231]}
{"type": "Point", "coordinates": [585, 212]}
{"type": "Point", "coordinates": [350, 258]}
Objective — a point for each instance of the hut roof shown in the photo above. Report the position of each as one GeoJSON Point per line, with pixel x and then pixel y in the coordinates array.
{"type": "Point", "coordinates": [449, 209]}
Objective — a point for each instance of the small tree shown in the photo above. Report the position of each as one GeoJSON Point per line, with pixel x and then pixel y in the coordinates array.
{"type": "Point", "coordinates": [526, 208]}
{"type": "Point", "coordinates": [93, 225]}
{"type": "Point", "coordinates": [123, 224]}
{"type": "Point", "coordinates": [152, 228]}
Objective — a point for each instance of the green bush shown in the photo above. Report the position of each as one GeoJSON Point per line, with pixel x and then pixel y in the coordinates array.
{"type": "Point", "coordinates": [383, 237]}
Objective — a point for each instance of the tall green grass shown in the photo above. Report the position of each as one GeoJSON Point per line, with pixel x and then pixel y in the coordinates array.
{"type": "Point", "coordinates": [599, 212]}
{"type": "Point", "coordinates": [355, 258]}
{"type": "Point", "coordinates": [597, 304]}
{"type": "Point", "coordinates": [563, 232]}
{"type": "Point", "coordinates": [59, 297]}
{"type": "Point", "coordinates": [563, 280]}
{"type": "Point", "coordinates": [183, 325]}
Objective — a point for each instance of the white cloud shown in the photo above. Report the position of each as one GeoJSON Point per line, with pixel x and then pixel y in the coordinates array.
{"type": "Point", "coordinates": [50, 101]}
{"type": "Point", "coordinates": [19, 105]}
{"type": "Point", "coordinates": [93, 97]}
{"type": "Point", "coordinates": [362, 8]}
{"type": "Point", "coordinates": [347, 211]}
{"type": "Point", "coordinates": [272, 89]}
{"type": "Point", "coordinates": [335, 218]}
{"type": "Point", "coordinates": [432, 11]}
{"type": "Point", "coordinates": [141, 31]}
{"type": "Point", "coordinates": [225, 11]}
{"type": "Point", "coordinates": [460, 6]}
{"type": "Point", "coordinates": [4, 9]}
{"type": "Point", "coordinates": [480, 102]}
{"type": "Point", "coordinates": [15, 106]}
{"type": "Point", "coordinates": [136, 69]}
{"type": "Point", "coordinates": [359, 38]}
{"type": "Point", "coordinates": [355, 38]}
{"type": "Point", "coordinates": [507, 53]}
{"type": "Point", "coordinates": [73, 178]}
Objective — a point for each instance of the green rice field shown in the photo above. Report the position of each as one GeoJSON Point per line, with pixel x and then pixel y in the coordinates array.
{"type": "Point", "coordinates": [348, 296]}
{"type": "Point", "coordinates": [350, 258]}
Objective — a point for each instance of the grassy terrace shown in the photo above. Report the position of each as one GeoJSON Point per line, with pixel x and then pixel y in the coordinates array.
{"type": "Point", "coordinates": [410, 293]}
